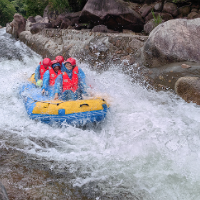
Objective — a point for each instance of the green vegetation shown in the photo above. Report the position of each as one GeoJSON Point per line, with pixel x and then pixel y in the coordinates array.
{"type": "Point", "coordinates": [36, 7]}
{"type": "Point", "coordinates": [7, 10]}
{"type": "Point", "coordinates": [19, 6]}
{"type": "Point", "coordinates": [59, 5]}
{"type": "Point", "coordinates": [158, 19]}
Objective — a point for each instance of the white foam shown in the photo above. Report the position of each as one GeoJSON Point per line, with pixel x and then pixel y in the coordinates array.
{"type": "Point", "coordinates": [148, 146]}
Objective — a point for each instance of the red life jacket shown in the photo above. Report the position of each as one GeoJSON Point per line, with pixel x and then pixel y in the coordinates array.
{"type": "Point", "coordinates": [42, 71]}
{"type": "Point", "coordinates": [71, 84]}
{"type": "Point", "coordinates": [53, 76]}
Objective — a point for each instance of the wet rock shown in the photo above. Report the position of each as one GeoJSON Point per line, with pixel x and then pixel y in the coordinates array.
{"type": "Point", "coordinates": [189, 89]}
{"type": "Point", "coordinates": [3, 193]}
{"type": "Point", "coordinates": [18, 25]}
{"type": "Point", "coordinates": [92, 47]}
{"type": "Point", "coordinates": [167, 75]}
{"type": "Point", "coordinates": [173, 41]}
{"type": "Point", "coordinates": [116, 15]}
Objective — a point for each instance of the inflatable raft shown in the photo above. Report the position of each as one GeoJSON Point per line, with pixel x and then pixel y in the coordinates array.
{"type": "Point", "coordinates": [79, 112]}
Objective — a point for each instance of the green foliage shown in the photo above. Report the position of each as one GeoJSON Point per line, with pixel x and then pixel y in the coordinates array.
{"type": "Point", "coordinates": [158, 19]}
{"type": "Point", "coordinates": [35, 7]}
{"type": "Point", "coordinates": [7, 11]}
{"type": "Point", "coordinates": [59, 5]}
{"type": "Point", "coordinates": [19, 6]}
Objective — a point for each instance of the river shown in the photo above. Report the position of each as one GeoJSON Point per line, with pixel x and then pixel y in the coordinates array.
{"type": "Point", "coordinates": [148, 148]}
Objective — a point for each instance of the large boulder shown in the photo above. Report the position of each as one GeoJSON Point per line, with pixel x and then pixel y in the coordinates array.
{"type": "Point", "coordinates": [173, 41]}
{"type": "Point", "coordinates": [115, 14]}
{"type": "Point", "coordinates": [189, 89]}
{"type": "Point", "coordinates": [18, 25]}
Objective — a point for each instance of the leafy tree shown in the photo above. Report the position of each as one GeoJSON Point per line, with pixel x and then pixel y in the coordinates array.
{"type": "Point", "coordinates": [35, 7]}
{"type": "Point", "coordinates": [19, 6]}
{"type": "Point", "coordinates": [59, 5]}
{"type": "Point", "coordinates": [7, 11]}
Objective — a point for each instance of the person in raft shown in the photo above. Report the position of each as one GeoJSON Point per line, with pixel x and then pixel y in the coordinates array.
{"type": "Point", "coordinates": [60, 59]}
{"type": "Point", "coordinates": [41, 69]}
{"type": "Point", "coordinates": [70, 84]}
{"type": "Point", "coordinates": [50, 77]}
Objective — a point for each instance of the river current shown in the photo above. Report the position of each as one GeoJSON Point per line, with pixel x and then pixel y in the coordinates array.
{"type": "Point", "coordinates": [148, 148]}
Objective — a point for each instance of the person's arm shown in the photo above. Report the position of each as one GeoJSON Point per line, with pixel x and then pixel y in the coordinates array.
{"type": "Point", "coordinates": [82, 83]}
{"type": "Point", "coordinates": [37, 73]}
{"type": "Point", "coordinates": [63, 68]}
{"type": "Point", "coordinates": [46, 78]}
{"type": "Point", "coordinates": [58, 86]}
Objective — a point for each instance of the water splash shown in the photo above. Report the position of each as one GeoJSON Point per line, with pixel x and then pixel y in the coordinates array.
{"type": "Point", "coordinates": [148, 147]}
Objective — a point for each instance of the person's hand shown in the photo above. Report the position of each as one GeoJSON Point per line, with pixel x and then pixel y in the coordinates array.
{"type": "Point", "coordinates": [43, 91]}
{"type": "Point", "coordinates": [56, 96]}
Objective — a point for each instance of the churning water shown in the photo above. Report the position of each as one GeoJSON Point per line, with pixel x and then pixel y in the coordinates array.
{"type": "Point", "coordinates": [148, 147]}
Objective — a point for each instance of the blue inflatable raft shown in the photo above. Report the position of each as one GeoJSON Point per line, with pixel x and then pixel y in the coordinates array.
{"type": "Point", "coordinates": [78, 113]}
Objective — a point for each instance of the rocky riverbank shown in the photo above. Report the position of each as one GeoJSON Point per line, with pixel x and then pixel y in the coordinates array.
{"type": "Point", "coordinates": [175, 41]}
{"type": "Point", "coordinates": [26, 177]}
{"type": "Point", "coordinates": [104, 35]}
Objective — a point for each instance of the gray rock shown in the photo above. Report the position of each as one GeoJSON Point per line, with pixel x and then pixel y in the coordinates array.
{"type": "Point", "coordinates": [188, 88]}
{"type": "Point", "coordinates": [150, 25]}
{"type": "Point", "coordinates": [115, 14]}
{"type": "Point", "coordinates": [145, 10]}
{"type": "Point", "coordinates": [172, 41]}
{"type": "Point", "coordinates": [170, 8]}
{"type": "Point", "coordinates": [158, 6]}
{"type": "Point", "coordinates": [184, 11]}
{"type": "Point", "coordinates": [18, 25]}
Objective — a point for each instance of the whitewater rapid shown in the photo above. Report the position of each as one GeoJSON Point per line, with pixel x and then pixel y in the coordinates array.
{"type": "Point", "coordinates": [147, 148]}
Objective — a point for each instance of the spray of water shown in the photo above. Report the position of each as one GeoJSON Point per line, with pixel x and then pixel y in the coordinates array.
{"type": "Point", "coordinates": [148, 147]}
